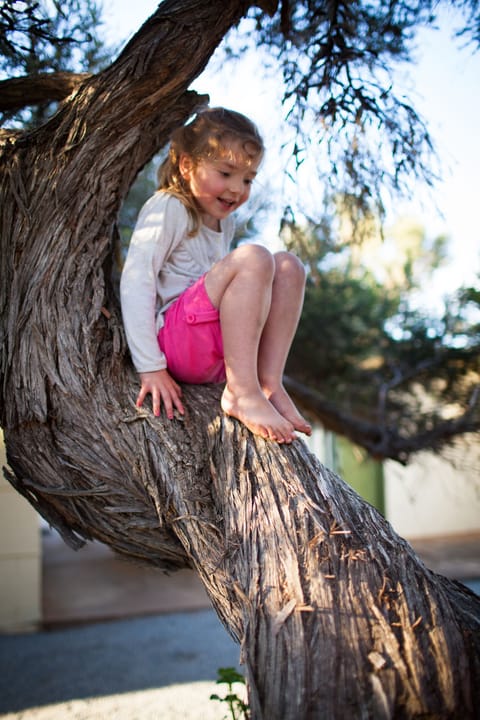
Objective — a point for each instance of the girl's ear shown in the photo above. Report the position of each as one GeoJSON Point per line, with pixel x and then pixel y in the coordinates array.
{"type": "Point", "coordinates": [185, 165]}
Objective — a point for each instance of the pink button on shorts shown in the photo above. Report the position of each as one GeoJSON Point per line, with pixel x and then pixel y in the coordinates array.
{"type": "Point", "coordinates": [191, 338]}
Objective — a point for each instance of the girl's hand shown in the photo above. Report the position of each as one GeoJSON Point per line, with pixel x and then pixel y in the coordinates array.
{"type": "Point", "coordinates": [163, 388]}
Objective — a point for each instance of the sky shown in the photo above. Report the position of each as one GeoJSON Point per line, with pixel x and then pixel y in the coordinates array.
{"type": "Point", "coordinates": [445, 86]}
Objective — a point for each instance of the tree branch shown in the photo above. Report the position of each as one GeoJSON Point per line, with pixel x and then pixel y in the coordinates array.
{"type": "Point", "coordinates": [381, 441]}
{"type": "Point", "coordinates": [8, 135]}
{"type": "Point", "coordinates": [20, 92]}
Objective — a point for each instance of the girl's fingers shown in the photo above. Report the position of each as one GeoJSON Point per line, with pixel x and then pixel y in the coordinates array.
{"type": "Point", "coordinates": [178, 403]}
{"type": "Point", "coordinates": [180, 407]}
{"type": "Point", "coordinates": [168, 405]}
{"type": "Point", "coordinates": [163, 389]}
{"type": "Point", "coordinates": [156, 403]}
{"type": "Point", "coordinates": [174, 398]}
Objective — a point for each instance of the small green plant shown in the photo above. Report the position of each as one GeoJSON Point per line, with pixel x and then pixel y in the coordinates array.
{"type": "Point", "coordinates": [238, 709]}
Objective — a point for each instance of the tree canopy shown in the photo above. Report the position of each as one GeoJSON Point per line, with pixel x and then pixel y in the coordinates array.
{"type": "Point", "coordinates": [363, 346]}
{"type": "Point", "coordinates": [45, 51]}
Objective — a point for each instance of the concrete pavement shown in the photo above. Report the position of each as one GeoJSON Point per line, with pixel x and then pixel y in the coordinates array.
{"type": "Point", "coordinates": [161, 667]}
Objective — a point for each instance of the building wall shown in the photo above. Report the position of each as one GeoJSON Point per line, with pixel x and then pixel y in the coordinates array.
{"type": "Point", "coordinates": [362, 472]}
{"type": "Point", "coordinates": [351, 462]}
{"type": "Point", "coordinates": [20, 559]}
{"type": "Point", "coordinates": [435, 494]}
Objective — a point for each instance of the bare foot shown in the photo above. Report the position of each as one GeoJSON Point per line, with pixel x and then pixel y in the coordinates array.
{"type": "Point", "coordinates": [258, 415]}
{"type": "Point", "coordinates": [282, 401]}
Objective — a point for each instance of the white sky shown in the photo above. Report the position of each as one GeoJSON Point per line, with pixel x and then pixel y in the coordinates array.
{"type": "Point", "coordinates": [446, 83]}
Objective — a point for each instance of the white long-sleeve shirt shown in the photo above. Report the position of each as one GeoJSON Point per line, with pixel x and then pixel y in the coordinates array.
{"type": "Point", "coordinates": [161, 263]}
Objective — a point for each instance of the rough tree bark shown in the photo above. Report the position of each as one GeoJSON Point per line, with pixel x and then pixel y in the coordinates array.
{"type": "Point", "coordinates": [335, 615]}
{"type": "Point", "coordinates": [19, 92]}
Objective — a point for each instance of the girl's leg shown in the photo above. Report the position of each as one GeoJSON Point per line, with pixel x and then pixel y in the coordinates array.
{"type": "Point", "coordinates": [240, 285]}
{"type": "Point", "coordinates": [285, 308]}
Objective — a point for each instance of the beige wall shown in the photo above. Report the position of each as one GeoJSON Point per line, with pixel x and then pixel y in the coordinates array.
{"type": "Point", "coordinates": [436, 494]}
{"type": "Point", "coordinates": [20, 559]}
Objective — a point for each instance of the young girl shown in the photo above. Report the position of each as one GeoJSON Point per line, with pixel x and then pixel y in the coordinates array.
{"type": "Point", "coordinates": [195, 312]}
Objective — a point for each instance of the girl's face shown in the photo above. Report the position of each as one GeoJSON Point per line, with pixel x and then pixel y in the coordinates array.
{"type": "Point", "coordinates": [222, 184]}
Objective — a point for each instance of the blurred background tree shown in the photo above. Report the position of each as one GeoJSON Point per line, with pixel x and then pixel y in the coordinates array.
{"type": "Point", "coordinates": [367, 345]}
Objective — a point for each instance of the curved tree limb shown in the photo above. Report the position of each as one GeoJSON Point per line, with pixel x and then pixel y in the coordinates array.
{"type": "Point", "coordinates": [20, 92]}
{"type": "Point", "coordinates": [383, 441]}
{"type": "Point", "coordinates": [62, 189]}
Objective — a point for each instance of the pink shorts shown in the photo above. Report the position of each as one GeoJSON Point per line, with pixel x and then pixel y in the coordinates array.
{"type": "Point", "coordinates": [191, 338]}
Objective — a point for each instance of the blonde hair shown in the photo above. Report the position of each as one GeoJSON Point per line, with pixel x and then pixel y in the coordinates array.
{"type": "Point", "coordinates": [206, 137]}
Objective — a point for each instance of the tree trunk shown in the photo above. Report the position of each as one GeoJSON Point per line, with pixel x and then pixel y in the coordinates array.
{"type": "Point", "coordinates": [336, 616]}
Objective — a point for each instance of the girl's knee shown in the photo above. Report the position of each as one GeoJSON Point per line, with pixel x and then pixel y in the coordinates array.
{"type": "Point", "coordinates": [288, 265]}
{"type": "Point", "coordinates": [256, 257]}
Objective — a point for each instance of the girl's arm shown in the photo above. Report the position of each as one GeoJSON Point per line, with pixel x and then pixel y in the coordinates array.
{"type": "Point", "coordinates": [157, 232]}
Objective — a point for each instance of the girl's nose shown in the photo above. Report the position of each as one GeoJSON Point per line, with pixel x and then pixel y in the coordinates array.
{"type": "Point", "coordinates": [236, 184]}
